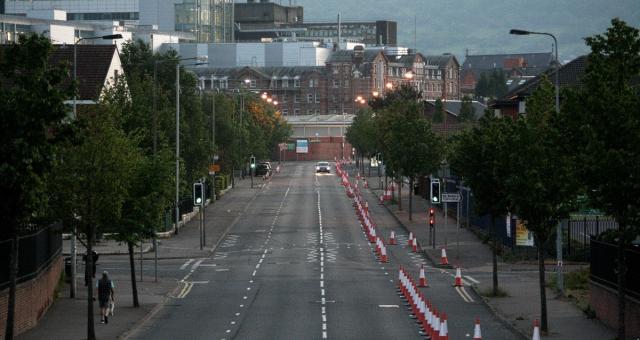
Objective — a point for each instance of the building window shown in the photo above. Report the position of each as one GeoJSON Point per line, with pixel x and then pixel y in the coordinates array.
{"type": "Point", "coordinates": [312, 83]}
{"type": "Point", "coordinates": [284, 98]}
{"type": "Point", "coordinates": [224, 84]}
{"type": "Point", "coordinates": [285, 111]}
{"type": "Point", "coordinates": [336, 83]}
{"type": "Point", "coordinates": [310, 98]}
{"type": "Point", "coordinates": [252, 84]}
{"type": "Point", "coordinates": [296, 83]}
{"type": "Point", "coordinates": [296, 111]}
{"type": "Point", "coordinates": [285, 83]}
{"type": "Point", "coordinates": [317, 111]}
{"type": "Point", "coordinates": [317, 98]}
{"type": "Point", "coordinates": [334, 99]}
{"type": "Point", "coordinates": [296, 98]}
{"type": "Point", "coordinates": [309, 111]}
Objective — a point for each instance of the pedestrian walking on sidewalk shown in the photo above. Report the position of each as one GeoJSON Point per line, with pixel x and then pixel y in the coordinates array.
{"type": "Point", "coordinates": [105, 294]}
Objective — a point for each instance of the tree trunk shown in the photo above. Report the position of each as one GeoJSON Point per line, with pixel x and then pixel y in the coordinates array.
{"type": "Point", "coordinates": [544, 328]}
{"type": "Point", "coordinates": [400, 194]}
{"type": "Point", "coordinates": [411, 198]}
{"type": "Point", "coordinates": [621, 276]}
{"type": "Point", "coordinates": [91, 334]}
{"type": "Point", "coordinates": [134, 287]}
{"type": "Point", "coordinates": [13, 273]}
{"type": "Point", "coordinates": [369, 175]}
{"type": "Point", "coordinates": [495, 255]}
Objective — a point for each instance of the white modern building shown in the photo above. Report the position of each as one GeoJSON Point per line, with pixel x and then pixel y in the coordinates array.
{"type": "Point", "coordinates": [255, 54]}
{"type": "Point", "coordinates": [80, 10]}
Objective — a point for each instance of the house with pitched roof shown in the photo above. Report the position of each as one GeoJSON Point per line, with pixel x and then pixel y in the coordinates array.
{"type": "Point", "coordinates": [514, 102]}
{"type": "Point", "coordinates": [517, 67]}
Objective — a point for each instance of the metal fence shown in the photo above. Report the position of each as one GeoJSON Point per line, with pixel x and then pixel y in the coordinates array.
{"type": "Point", "coordinates": [604, 266]}
{"type": "Point", "coordinates": [36, 251]}
{"type": "Point", "coordinates": [580, 229]}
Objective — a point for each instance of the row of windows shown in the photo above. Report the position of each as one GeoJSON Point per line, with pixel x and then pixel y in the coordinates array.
{"type": "Point", "coordinates": [297, 111]}
{"type": "Point", "coordinates": [103, 16]}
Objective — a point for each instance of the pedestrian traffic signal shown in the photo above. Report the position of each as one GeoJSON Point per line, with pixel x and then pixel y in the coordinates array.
{"type": "Point", "coordinates": [253, 162]}
{"type": "Point", "coordinates": [432, 217]}
{"type": "Point", "coordinates": [435, 191]}
{"type": "Point", "coordinates": [198, 193]}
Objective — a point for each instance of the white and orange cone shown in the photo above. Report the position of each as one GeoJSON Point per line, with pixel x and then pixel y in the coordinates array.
{"type": "Point", "coordinates": [366, 184]}
{"type": "Point", "coordinates": [423, 279]}
{"type": "Point", "coordinates": [536, 330]}
{"type": "Point", "coordinates": [443, 257]}
{"type": "Point", "coordinates": [415, 245]}
{"type": "Point", "coordinates": [383, 256]}
{"type": "Point", "coordinates": [458, 281]}
{"type": "Point", "coordinates": [444, 330]}
{"type": "Point", "coordinates": [410, 242]}
{"type": "Point", "coordinates": [435, 325]}
{"type": "Point", "coordinates": [477, 334]}
{"type": "Point", "coordinates": [392, 238]}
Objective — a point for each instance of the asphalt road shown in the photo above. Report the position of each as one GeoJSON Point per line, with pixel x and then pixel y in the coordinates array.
{"type": "Point", "coordinates": [296, 265]}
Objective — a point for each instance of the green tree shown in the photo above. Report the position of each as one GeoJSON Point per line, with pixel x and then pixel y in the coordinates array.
{"type": "Point", "coordinates": [438, 114]}
{"type": "Point", "coordinates": [482, 89]}
{"type": "Point", "coordinates": [32, 94]}
{"type": "Point", "coordinates": [467, 111]}
{"type": "Point", "coordinates": [541, 184]}
{"type": "Point", "coordinates": [414, 149]}
{"type": "Point", "coordinates": [479, 156]}
{"type": "Point", "coordinates": [91, 182]}
{"type": "Point", "coordinates": [150, 190]}
{"type": "Point", "coordinates": [603, 124]}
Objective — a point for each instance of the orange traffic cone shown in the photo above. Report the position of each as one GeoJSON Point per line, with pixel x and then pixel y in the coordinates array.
{"type": "Point", "coordinates": [366, 184]}
{"type": "Point", "coordinates": [415, 245]}
{"type": "Point", "coordinates": [392, 238]}
{"type": "Point", "coordinates": [536, 330]}
{"type": "Point", "coordinates": [410, 242]}
{"type": "Point", "coordinates": [383, 256]}
{"type": "Point", "coordinates": [458, 282]}
{"type": "Point", "coordinates": [444, 330]}
{"type": "Point", "coordinates": [443, 257]}
{"type": "Point", "coordinates": [435, 325]}
{"type": "Point", "coordinates": [477, 335]}
{"type": "Point", "coordinates": [423, 278]}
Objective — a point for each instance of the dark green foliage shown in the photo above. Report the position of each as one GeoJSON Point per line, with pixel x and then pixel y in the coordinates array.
{"type": "Point", "coordinates": [438, 114]}
{"type": "Point", "coordinates": [492, 84]}
{"type": "Point", "coordinates": [467, 111]}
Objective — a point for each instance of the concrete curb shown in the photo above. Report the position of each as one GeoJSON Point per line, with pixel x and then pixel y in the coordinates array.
{"type": "Point", "coordinates": [499, 316]}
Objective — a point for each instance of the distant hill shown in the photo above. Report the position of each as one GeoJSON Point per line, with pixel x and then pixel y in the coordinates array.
{"type": "Point", "coordinates": [482, 26]}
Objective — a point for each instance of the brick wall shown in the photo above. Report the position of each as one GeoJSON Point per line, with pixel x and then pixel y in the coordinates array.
{"type": "Point", "coordinates": [325, 150]}
{"type": "Point", "coordinates": [33, 298]}
{"type": "Point", "coordinates": [604, 301]}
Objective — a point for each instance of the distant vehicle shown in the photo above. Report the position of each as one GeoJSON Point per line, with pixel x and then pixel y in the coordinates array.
{"type": "Point", "coordinates": [263, 169]}
{"type": "Point", "coordinates": [323, 167]}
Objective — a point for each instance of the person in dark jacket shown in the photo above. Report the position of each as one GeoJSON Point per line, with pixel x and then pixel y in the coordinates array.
{"type": "Point", "coordinates": [105, 291]}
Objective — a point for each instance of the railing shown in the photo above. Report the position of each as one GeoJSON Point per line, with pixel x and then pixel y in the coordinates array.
{"type": "Point", "coordinates": [36, 251]}
{"type": "Point", "coordinates": [604, 268]}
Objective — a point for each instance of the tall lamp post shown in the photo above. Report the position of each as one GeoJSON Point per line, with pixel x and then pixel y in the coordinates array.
{"type": "Point", "coordinates": [178, 138]}
{"type": "Point", "coordinates": [560, 283]}
{"type": "Point", "coordinates": [72, 294]}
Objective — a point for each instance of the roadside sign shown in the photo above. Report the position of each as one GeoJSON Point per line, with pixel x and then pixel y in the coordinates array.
{"type": "Point", "coordinates": [450, 197]}
{"type": "Point", "coordinates": [213, 168]}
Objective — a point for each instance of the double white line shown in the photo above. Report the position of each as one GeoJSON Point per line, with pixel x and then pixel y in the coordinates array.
{"type": "Point", "coordinates": [464, 294]}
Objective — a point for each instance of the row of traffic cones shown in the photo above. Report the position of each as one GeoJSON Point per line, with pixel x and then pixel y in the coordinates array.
{"type": "Point", "coordinates": [362, 211]}
{"type": "Point", "coordinates": [433, 323]}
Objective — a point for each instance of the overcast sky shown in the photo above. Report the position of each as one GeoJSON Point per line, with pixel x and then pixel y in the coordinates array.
{"type": "Point", "coordinates": [482, 26]}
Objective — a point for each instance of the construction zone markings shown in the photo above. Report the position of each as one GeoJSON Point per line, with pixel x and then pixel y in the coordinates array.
{"type": "Point", "coordinates": [322, 289]}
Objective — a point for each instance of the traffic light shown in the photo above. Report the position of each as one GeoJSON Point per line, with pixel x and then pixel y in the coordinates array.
{"type": "Point", "coordinates": [253, 162]}
{"type": "Point", "coordinates": [435, 191]}
{"type": "Point", "coordinates": [198, 193]}
{"type": "Point", "coordinates": [432, 217]}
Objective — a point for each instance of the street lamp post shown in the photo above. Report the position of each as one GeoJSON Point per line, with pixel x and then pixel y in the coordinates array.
{"type": "Point", "coordinates": [178, 139]}
{"type": "Point", "coordinates": [72, 293]}
{"type": "Point", "coordinates": [560, 283]}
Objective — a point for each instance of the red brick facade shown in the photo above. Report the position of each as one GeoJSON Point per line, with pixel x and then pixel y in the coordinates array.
{"type": "Point", "coordinates": [33, 299]}
{"type": "Point", "coordinates": [326, 149]}
{"type": "Point", "coordinates": [604, 301]}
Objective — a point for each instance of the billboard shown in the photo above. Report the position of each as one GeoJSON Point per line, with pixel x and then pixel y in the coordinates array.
{"type": "Point", "coordinates": [302, 146]}
{"type": "Point", "coordinates": [524, 237]}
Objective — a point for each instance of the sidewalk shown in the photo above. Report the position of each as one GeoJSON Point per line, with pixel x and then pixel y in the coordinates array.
{"type": "Point", "coordinates": [519, 280]}
{"type": "Point", "coordinates": [67, 318]}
